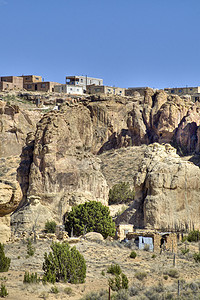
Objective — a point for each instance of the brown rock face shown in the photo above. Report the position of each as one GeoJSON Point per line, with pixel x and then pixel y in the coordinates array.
{"type": "Point", "coordinates": [63, 172]}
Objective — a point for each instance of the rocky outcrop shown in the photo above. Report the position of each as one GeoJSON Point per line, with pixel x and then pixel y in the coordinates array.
{"type": "Point", "coordinates": [63, 172]}
{"type": "Point", "coordinates": [15, 123]}
{"type": "Point", "coordinates": [167, 191]}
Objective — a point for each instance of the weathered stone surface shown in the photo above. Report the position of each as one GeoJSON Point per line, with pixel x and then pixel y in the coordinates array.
{"type": "Point", "coordinates": [93, 236]}
{"type": "Point", "coordinates": [167, 191]}
{"type": "Point", "coordinates": [62, 170]}
{"type": "Point", "coordinates": [10, 196]}
{"type": "Point", "coordinates": [5, 230]}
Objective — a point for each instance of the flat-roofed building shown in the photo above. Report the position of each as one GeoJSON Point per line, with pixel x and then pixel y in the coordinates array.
{"type": "Point", "coordinates": [131, 90]}
{"type": "Point", "coordinates": [194, 92]}
{"type": "Point", "coordinates": [107, 90]}
{"type": "Point", "coordinates": [44, 86]}
{"type": "Point", "coordinates": [27, 79]}
{"type": "Point", "coordinates": [83, 81]}
{"type": "Point", "coordinates": [68, 89]}
{"type": "Point", "coordinates": [11, 83]}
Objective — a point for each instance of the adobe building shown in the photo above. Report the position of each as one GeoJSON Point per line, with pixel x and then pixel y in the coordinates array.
{"type": "Point", "coordinates": [107, 90]}
{"type": "Point", "coordinates": [194, 92]}
{"type": "Point", "coordinates": [44, 86]}
{"type": "Point", "coordinates": [68, 89]}
{"type": "Point", "coordinates": [29, 79]}
{"type": "Point", "coordinates": [131, 90]}
{"type": "Point", "coordinates": [11, 83]}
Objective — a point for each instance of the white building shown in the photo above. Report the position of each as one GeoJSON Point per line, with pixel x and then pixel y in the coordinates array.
{"type": "Point", "coordinates": [69, 89]}
{"type": "Point", "coordinates": [83, 81]}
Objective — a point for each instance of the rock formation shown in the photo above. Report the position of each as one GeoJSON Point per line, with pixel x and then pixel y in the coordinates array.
{"type": "Point", "coordinates": [167, 191]}
{"type": "Point", "coordinates": [62, 170]}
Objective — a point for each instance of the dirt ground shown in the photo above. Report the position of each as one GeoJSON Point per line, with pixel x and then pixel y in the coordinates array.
{"type": "Point", "coordinates": [98, 255]}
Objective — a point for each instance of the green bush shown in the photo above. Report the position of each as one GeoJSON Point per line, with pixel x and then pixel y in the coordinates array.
{"type": "Point", "coordinates": [193, 236]}
{"type": "Point", "coordinates": [64, 264]}
{"type": "Point", "coordinates": [31, 278]}
{"type": "Point", "coordinates": [133, 254]}
{"type": "Point", "coordinates": [140, 275]}
{"type": "Point", "coordinates": [173, 273]}
{"type": "Point", "coordinates": [4, 261]}
{"type": "Point", "coordinates": [30, 248]}
{"type": "Point", "coordinates": [50, 227]}
{"type": "Point", "coordinates": [68, 291]}
{"type": "Point", "coordinates": [184, 251]}
{"type": "Point", "coordinates": [90, 216]}
{"type": "Point", "coordinates": [121, 193]}
{"type": "Point", "coordinates": [197, 257]}
{"type": "Point", "coordinates": [54, 290]}
{"type": "Point", "coordinates": [118, 282]}
{"type": "Point", "coordinates": [3, 291]}
{"type": "Point", "coordinates": [114, 269]}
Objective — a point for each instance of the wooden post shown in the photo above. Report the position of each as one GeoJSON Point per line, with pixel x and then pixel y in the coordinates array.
{"type": "Point", "coordinates": [178, 287]}
{"type": "Point", "coordinates": [172, 246]}
{"type": "Point", "coordinates": [174, 260]}
{"type": "Point", "coordinates": [109, 294]}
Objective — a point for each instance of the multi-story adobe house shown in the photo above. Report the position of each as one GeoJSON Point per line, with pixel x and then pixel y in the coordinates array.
{"type": "Point", "coordinates": [11, 83]}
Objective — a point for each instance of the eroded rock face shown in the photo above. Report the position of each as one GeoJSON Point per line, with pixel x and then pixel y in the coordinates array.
{"type": "Point", "coordinates": [63, 172]}
{"type": "Point", "coordinates": [167, 191]}
{"type": "Point", "coordinates": [14, 126]}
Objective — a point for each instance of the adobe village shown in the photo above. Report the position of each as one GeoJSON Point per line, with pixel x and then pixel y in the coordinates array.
{"type": "Point", "coordinates": [132, 153]}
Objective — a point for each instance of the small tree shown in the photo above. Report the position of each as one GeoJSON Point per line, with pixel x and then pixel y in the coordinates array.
{"type": "Point", "coordinates": [64, 264]}
{"type": "Point", "coordinates": [90, 216]}
{"type": "Point", "coordinates": [4, 261]}
{"type": "Point", "coordinates": [30, 248]}
{"type": "Point", "coordinates": [118, 282]}
{"type": "Point", "coordinates": [121, 193]}
{"type": "Point", "coordinates": [50, 227]}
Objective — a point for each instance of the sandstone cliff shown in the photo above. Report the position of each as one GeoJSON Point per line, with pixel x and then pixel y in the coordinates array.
{"type": "Point", "coordinates": [167, 191]}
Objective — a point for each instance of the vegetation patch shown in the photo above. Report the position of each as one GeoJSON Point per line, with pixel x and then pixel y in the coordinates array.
{"type": "Point", "coordinates": [121, 193]}
{"type": "Point", "coordinates": [4, 261]}
{"type": "Point", "coordinates": [64, 264]}
{"type": "Point", "coordinates": [88, 217]}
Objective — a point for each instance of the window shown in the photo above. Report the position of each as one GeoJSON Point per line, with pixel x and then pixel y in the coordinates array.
{"type": "Point", "coordinates": [70, 89]}
{"type": "Point", "coordinates": [36, 78]}
{"type": "Point", "coordinates": [43, 85]}
{"type": "Point", "coordinates": [81, 80]}
{"type": "Point", "coordinates": [190, 89]}
{"type": "Point", "coordinates": [120, 92]}
{"type": "Point", "coordinates": [180, 91]}
{"type": "Point", "coordinates": [29, 86]}
{"type": "Point", "coordinates": [172, 91]}
{"type": "Point", "coordinates": [77, 90]}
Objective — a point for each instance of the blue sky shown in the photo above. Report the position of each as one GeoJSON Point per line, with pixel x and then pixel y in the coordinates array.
{"type": "Point", "coordinates": [127, 43]}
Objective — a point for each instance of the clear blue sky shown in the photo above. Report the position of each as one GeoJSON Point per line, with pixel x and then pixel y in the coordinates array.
{"type": "Point", "coordinates": [128, 43]}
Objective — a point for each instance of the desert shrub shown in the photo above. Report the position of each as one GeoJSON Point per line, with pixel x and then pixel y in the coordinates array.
{"type": "Point", "coordinates": [184, 251]}
{"type": "Point", "coordinates": [30, 248]}
{"type": "Point", "coordinates": [90, 216]}
{"type": "Point", "coordinates": [102, 295]}
{"type": "Point", "coordinates": [133, 254]}
{"type": "Point", "coordinates": [196, 257]}
{"type": "Point", "coordinates": [31, 278]}
{"type": "Point", "coordinates": [121, 193]}
{"type": "Point", "coordinates": [122, 295]}
{"type": "Point", "coordinates": [50, 227]}
{"type": "Point", "coordinates": [4, 261]}
{"type": "Point", "coordinates": [102, 273]}
{"type": "Point", "coordinates": [133, 290]}
{"type": "Point", "coordinates": [165, 276]}
{"type": "Point", "coordinates": [193, 236]}
{"type": "Point", "coordinates": [64, 264]}
{"type": "Point", "coordinates": [54, 290]}
{"type": "Point", "coordinates": [140, 275]}
{"type": "Point", "coordinates": [153, 256]}
{"type": "Point", "coordinates": [173, 273]}
{"type": "Point", "coordinates": [68, 291]}
{"type": "Point", "coordinates": [114, 269]}
{"type": "Point", "coordinates": [118, 282]}
{"type": "Point", "coordinates": [3, 291]}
